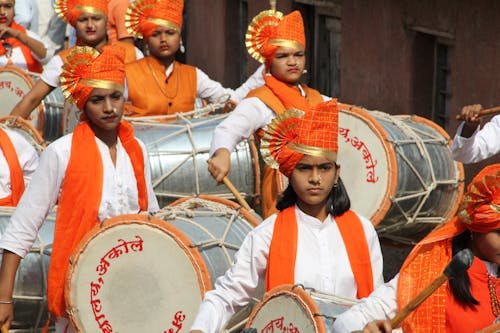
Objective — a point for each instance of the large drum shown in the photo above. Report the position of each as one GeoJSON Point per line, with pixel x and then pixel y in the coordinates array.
{"type": "Point", "coordinates": [290, 308]}
{"type": "Point", "coordinates": [30, 288]}
{"type": "Point", "coordinates": [178, 153]}
{"type": "Point", "coordinates": [398, 171]}
{"type": "Point", "coordinates": [137, 273]}
{"type": "Point", "coordinates": [24, 128]}
{"type": "Point", "coordinates": [15, 83]}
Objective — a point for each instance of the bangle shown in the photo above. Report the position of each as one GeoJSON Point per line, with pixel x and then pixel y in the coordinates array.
{"type": "Point", "coordinates": [7, 302]}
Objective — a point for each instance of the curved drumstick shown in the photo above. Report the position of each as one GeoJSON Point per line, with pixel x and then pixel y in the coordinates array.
{"type": "Point", "coordinates": [460, 262]}
{"type": "Point", "coordinates": [484, 112]}
{"type": "Point", "coordinates": [236, 194]}
{"type": "Point", "coordinates": [4, 329]}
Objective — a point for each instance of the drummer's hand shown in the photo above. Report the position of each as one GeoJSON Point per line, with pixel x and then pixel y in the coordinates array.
{"type": "Point", "coordinates": [6, 32]}
{"type": "Point", "coordinates": [378, 326]}
{"type": "Point", "coordinates": [195, 331]}
{"type": "Point", "coordinates": [6, 315]}
{"type": "Point", "coordinates": [470, 114]}
{"type": "Point", "coordinates": [220, 164]}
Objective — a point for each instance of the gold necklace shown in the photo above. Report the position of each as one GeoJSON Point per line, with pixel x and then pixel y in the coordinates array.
{"type": "Point", "coordinates": [495, 305]}
{"type": "Point", "coordinates": [159, 83]}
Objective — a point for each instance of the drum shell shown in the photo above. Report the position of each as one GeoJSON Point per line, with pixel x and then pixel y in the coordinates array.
{"type": "Point", "coordinates": [403, 167]}
{"type": "Point", "coordinates": [178, 153]}
{"type": "Point", "coordinates": [30, 288]}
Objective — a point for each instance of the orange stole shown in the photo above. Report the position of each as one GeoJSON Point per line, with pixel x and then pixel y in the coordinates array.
{"type": "Point", "coordinates": [272, 184]}
{"type": "Point", "coordinates": [150, 93]}
{"type": "Point", "coordinates": [80, 199]}
{"type": "Point", "coordinates": [16, 172]}
{"type": "Point", "coordinates": [283, 250]}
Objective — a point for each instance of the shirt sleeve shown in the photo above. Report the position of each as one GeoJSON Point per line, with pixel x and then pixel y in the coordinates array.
{"type": "Point", "coordinates": [239, 284]}
{"type": "Point", "coordinates": [480, 146]}
{"type": "Point", "coordinates": [213, 91]}
{"type": "Point", "coordinates": [27, 155]}
{"type": "Point", "coordinates": [49, 49]}
{"type": "Point", "coordinates": [52, 71]}
{"type": "Point", "coordinates": [381, 304]}
{"type": "Point", "coordinates": [248, 116]}
{"type": "Point", "coordinates": [24, 13]}
{"type": "Point", "coordinates": [36, 202]}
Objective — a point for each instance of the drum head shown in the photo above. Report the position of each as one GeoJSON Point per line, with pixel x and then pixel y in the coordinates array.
{"type": "Point", "coordinates": [14, 85]}
{"type": "Point", "coordinates": [288, 307]}
{"type": "Point", "coordinates": [120, 278]}
{"type": "Point", "coordinates": [24, 128]}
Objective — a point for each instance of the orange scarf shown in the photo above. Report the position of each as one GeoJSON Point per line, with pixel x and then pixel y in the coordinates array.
{"type": "Point", "coordinates": [80, 199]}
{"type": "Point", "coordinates": [32, 64]}
{"type": "Point", "coordinates": [16, 172]}
{"type": "Point", "coordinates": [283, 250]}
{"type": "Point", "coordinates": [290, 96]}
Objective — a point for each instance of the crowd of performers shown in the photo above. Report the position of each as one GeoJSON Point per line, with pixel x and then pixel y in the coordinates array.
{"type": "Point", "coordinates": [310, 235]}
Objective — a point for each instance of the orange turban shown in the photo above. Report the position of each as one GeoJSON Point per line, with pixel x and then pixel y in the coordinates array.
{"type": "Point", "coordinates": [70, 10]}
{"type": "Point", "coordinates": [295, 133]}
{"type": "Point", "coordinates": [479, 212]}
{"type": "Point", "coordinates": [144, 16]}
{"type": "Point", "coordinates": [87, 69]}
{"type": "Point", "coordinates": [270, 30]}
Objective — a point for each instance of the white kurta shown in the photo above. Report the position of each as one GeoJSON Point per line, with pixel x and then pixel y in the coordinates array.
{"type": "Point", "coordinates": [248, 116]}
{"type": "Point", "coordinates": [119, 192]}
{"type": "Point", "coordinates": [17, 56]}
{"type": "Point", "coordinates": [482, 144]}
{"type": "Point", "coordinates": [381, 304]}
{"type": "Point", "coordinates": [28, 159]}
{"type": "Point", "coordinates": [321, 263]}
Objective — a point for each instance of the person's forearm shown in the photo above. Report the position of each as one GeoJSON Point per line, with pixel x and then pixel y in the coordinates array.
{"type": "Point", "coordinates": [10, 263]}
{"type": "Point", "coordinates": [35, 46]}
{"type": "Point", "coordinates": [468, 129]}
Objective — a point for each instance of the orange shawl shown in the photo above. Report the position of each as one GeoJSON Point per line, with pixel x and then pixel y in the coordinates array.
{"type": "Point", "coordinates": [283, 250]}
{"type": "Point", "coordinates": [79, 202]}
{"type": "Point", "coordinates": [32, 64]}
{"type": "Point", "coordinates": [16, 172]}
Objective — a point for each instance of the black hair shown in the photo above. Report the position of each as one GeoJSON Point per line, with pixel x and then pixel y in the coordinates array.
{"type": "Point", "coordinates": [460, 284]}
{"type": "Point", "coordinates": [337, 203]}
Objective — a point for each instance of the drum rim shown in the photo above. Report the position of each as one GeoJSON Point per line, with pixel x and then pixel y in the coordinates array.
{"type": "Point", "coordinates": [302, 299]}
{"type": "Point", "coordinates": [22, 124]}
{"type": "Point", "coordinates": [390, 191]}
{"type": "Point", "coordinates": [243, 211]}
{"type": "Point", "coordinates": [178, 236]}
{"type": "Point", "coordinates": [29, 81]}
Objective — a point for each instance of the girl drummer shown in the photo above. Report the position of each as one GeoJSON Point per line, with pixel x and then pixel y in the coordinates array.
{"type": "Point", "coordinates": [98, 171]}
{"type": "Point", "coordinates": [20, 47]}
{"type": "Point", "coordinates": [315, 239]}
{"type": "Point", "coordinates": [89, 18]}
{"type": "Point", "coordinates": [280, 43]}
{"type": "Point", "coordinates": [469, 301]}
{"type": "Point", "coordinates": [158, 84]}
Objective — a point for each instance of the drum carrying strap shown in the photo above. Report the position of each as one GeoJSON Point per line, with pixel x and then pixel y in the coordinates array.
{"type": "Point", "coordinates": [283, 250]}
{"type": "Point", "coordinates": [16, 172]}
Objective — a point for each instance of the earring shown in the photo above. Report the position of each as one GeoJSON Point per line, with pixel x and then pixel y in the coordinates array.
{"type": "Point", "coordinates": [304, 71]}
{"type": "Point", "coordinates": [182, 48]}
{"type": "Point", "coordinates": [114, 111]}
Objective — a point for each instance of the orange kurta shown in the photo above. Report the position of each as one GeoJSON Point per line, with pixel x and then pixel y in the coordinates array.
{"type": "Point", "coordinates": [153, 94]}
{"type": "Point", "coordinates": [272, 182]}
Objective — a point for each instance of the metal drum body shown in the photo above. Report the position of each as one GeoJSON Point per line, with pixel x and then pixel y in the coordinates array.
{"type": "Point", "coordinates": [15, 83]}
{"type": "Point", "coordinates": [137, 273]}
{"type": "Point", "coordinates": [294, 309]}
{"type": "Point", "coordinates": [30, 288]}
{"type": "Point", "coordinates": [398, 171]}
{"type": "Point", "coordinates": [178, 154]}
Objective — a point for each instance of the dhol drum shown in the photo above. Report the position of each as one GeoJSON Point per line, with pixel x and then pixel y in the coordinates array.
{"type": "Point", "coordinates": [290, 308]}
{"type": "Point", "coordinates": [398, 171]}
{"type": "Point", "coordinates": [30, 288]}
{"type": "Point", "coordinates": [24, 128]}
{"type": "Point", "coordinates": [138, 273]}
{"type": "Point", "coordinates": [178, 153]}
{"type": "Point", "coordinates": [15, 83]}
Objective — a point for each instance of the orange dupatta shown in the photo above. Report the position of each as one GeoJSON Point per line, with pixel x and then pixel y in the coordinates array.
{"type": "Point", "coordinates": [16, 172]}
{"type": "Point", "coordinates": [80, 199]}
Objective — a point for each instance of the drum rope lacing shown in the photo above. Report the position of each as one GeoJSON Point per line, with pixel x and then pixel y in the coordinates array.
{"type": "Point", "coordinates": [185, 210]}
{"type": "Point", "coordinates": [41, 249]}
{"type": "Point", "coordinates": [410, 132]}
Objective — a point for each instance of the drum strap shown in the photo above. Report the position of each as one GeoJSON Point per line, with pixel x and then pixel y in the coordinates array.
{"type": "Point", "coordinates": [283, 250]}
{"type": "Point", "coordinates": [80, 200]}
{"type": "Point", "coordinates": [16, 172]}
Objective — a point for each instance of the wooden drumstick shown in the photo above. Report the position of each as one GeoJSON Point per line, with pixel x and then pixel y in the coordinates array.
{"type": "Point", "coordinates": [4, 329]}
{"type": "Point", "coordinates": [460, 262]}
{"type": "Point", "coordinates": [484, 112]}
{"type": "Point", "coordinates": [236, 194]}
